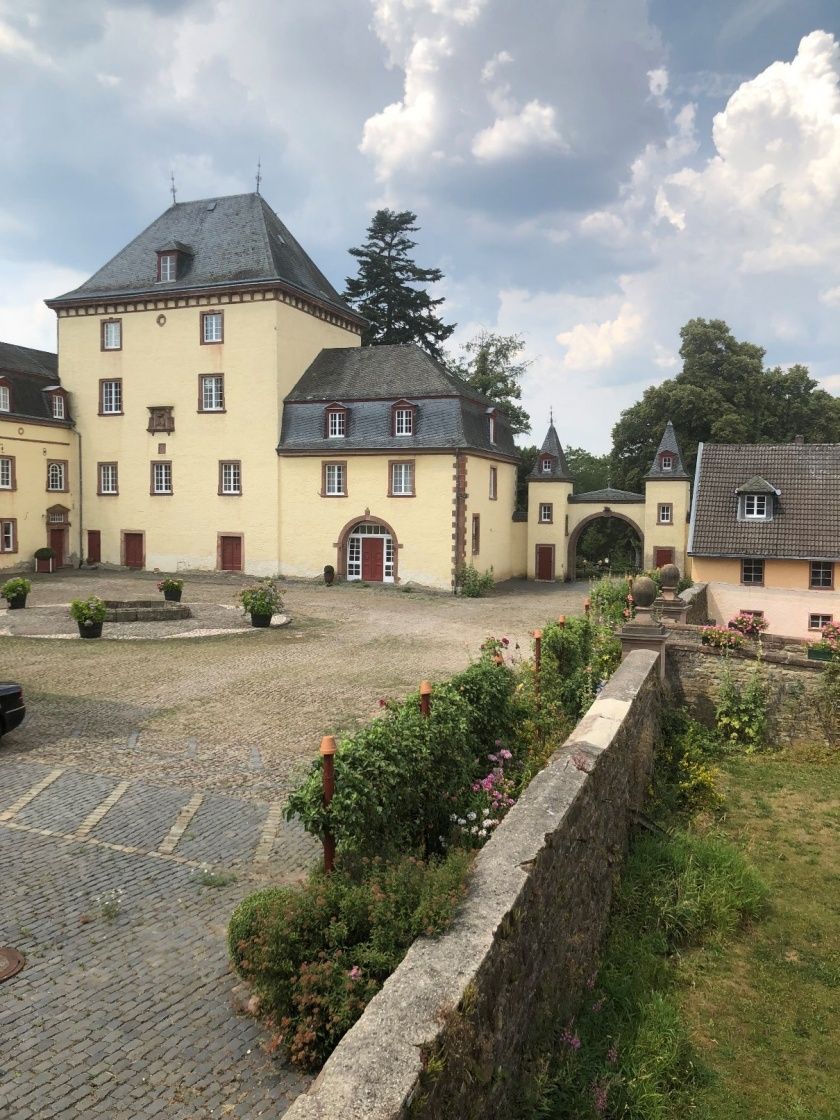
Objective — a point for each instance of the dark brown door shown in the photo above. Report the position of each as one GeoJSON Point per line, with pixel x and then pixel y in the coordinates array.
{"type": "Point", "coordinates": [94, 549]}
{"type": "Point", "coordinates": [133, 547]}
{"type": "Point", "coordinates": [373, 551]}
{"type": "Point", "coordinates": [57, 545]}
{"type": "Point", "coordinates": [231, 554]}
{"type": "Point", "coordinates": [662, 556]}
{"type": "Point", "coordinates": [545, 561]}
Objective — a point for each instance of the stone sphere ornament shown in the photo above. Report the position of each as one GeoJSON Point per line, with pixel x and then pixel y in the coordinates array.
{"type": "Point", "coordinates": [644, 592]}
{"type": "Point", "coordinates": [670, 576]}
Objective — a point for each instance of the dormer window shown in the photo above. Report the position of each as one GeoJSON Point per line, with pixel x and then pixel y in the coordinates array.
{"type": "Point", "coordinates": [5, 398]}
{"type": "Point", "coordinates": [756, 500]}
{"type": "Point", "coordinates": [755, 506]}
{"type": "Point", "coordinates": [545, 464]}
{"type": "Point", "coordinates": [167, 267]}
{"type": "Point", "coordinates": [58, 407]}
{"type": "Point", "coordinates": [491, 424]}
{"type": "Point", "coordinates": [667, 462]}
{"type": "Point", "coordinates": [335, 421]}
{"type": "Point", "coordinates": [403, 419]}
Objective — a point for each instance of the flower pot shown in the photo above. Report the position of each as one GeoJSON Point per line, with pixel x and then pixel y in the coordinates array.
{"type": "Point", "coordinates": [90, 629]}
{"type": "Point", "coordinates": [328, 578]}
{"type": "Point", "coordinates": [260, 619]}
{"type": "Point", "coordinates": [173, 596]}
{"type": "Point", "coordinates": [819, 654]}
{"type": "Point", "coordinates": [17, 602]}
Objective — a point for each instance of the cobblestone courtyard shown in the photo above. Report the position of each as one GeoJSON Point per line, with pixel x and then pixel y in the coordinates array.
{"type": "Point", "coordinates": [140, 764]}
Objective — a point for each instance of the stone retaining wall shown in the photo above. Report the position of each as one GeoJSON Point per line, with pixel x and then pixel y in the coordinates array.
{"type": "Point", "coordinates": [698, 603]}
{"type": "Point", "coordinates": [451, 1031]}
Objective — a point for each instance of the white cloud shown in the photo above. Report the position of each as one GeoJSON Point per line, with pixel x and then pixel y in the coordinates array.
{"type": "Point", "coordinates": [24, 318]}
{"type": "Point", "coordinates": [658, 81]}
{"type": "Point", "coordinates": [12, 43]}
{"type": "Point", "coordinates": [593, 345]}
{"type": "Point", "coordinates": [531, 129]}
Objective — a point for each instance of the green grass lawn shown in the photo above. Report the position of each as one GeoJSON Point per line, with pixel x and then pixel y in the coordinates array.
{"type": "Point", "coordinates": [763, 1008]}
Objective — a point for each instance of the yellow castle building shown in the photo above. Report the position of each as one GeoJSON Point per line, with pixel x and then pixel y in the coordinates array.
{"type": "Point", "coordinates": [217, 412]}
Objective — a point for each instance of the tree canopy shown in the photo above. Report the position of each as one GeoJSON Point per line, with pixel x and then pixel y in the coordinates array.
{"type": "Point", "coordinates": [492, 363]}
{"type": "Point", "coordinates": [387, 288]}
{"type": "Point", "coordinates": [723, 394]}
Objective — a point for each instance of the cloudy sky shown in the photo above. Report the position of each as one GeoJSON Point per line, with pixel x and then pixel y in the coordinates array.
{"type": "Point", "coordinates": [589, 173]}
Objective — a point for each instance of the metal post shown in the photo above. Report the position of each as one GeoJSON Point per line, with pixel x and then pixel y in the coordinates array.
{"type": "Point", "coordinates": [587, 603]}
{"type": "Point", "coordinates": [537, 660]}
{"type": "Point", "coordinates": [425, 699]}
{"type": "Point", "coordinates": [328, 755]}
{"type": "Point", "coordinates": [561, 620]}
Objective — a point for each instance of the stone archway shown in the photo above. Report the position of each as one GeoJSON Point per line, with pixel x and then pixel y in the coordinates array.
{"type": "Point", "coordinates": [351, 549]}
{"type": "Point", "coordinates": [582, 526]}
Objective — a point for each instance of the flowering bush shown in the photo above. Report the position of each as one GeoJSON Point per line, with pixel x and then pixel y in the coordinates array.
{"type": "Point", "coordinates": [830, 639]}
{"type": "Point", "coordinates": [490, 797]}
{"type": "Point", "coordinates": [749, 624]}
{"type": "Point", "coordinates": [262, 599]}
{"type": "Point", "coordinates": [721, 638]}
{"type": "Point", "coordinates": [168, 583]}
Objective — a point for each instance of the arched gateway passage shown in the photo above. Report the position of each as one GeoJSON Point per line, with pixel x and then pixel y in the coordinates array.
{"type": "Point", "coordinates": [587, 519]}
{"type": "Point", "coordinates": [367, 550]}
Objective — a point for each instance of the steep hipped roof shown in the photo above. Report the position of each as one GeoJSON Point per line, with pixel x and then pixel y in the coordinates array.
{"type": "Point", "coordinates": [806, 516]}
{"type": "Point", "coordinates": [29, 373]}
{"type": "Point", "coordinates": [368, 381]}
{"type": "Point", "coordinates": [668, 443]}
{"type": "Point", "coordinates": [559, 468]}
{"type": "Point", "coordinates": [608, 496]}
{"type": "Point", "coordinates": [235, 240]}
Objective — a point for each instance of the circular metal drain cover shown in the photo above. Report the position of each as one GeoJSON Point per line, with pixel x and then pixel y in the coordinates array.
{"type": "Point", "coordinates": [11, 962]}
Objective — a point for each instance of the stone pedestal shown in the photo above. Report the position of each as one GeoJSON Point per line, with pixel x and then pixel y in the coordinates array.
{"type": "Point", "coordinates": [643, 632]}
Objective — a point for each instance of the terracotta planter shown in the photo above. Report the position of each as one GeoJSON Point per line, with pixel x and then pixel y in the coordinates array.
{"type": "Point", "coordinates": [90, 629]}
{"type": "Point", "coordinates": [173, 596]}
{"type": "Point", "coordinates": [261, 620]}
{"type": "Point", "coordinates": [17, 603]}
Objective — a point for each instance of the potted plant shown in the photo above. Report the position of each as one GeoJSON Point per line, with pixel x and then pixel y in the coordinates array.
{"type": "Point", "coordinates": [828, 647]}
{"type": "Point", "coordinates": [89, 614]}
{"type": "Point", "coordinates": [749, 624]}
{"type": "Point", "coordinates": [171, 589]}
{"type": "Point", "coordinates": [261, 602]}
{"type": "Point", "coordinates": [15, 590]}
{"type": "Point", "coordinates": [329, 574]}
{"type": "Point", "coordinates": [44, 559]}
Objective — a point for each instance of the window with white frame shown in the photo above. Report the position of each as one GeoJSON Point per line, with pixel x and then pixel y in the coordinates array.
{"type": "Point", "coordinates": [545, 465]}
{"type": "Point", "coordinates": [4, 398]}
{"type": "Point", "coordinates": [56, 476]}
{"type": "Point", "coordinates": [402, 479]}
{"type": "Point", "coordinates": [111, 399]}
{"type": "Point", "coordinates": [212, 395]}
{"type": "Point", "coordinates": [755, 505]}
{"type": "Point", "coordinates": [212, 326]}
{"type": "Point", "coordinates": [167, 266]}
{"type": "Point", "coordinates": [354, 558]}
{"type": "Point", "coordinates": [161, 478]}
{"type": "Point", "coordinates": [8, 535]}
{"type": "Point", "coordinates": [546, 513]}
{"type": "Point", "coordinates": [491, 424]}
{"type": "Point", "coordinates": [667, 462]}
{"type": "Point", "coordinates": [817, 621]}
{"type": "Point", "coordinates": [108, 481]}
{"type": "Point", "coordinates": [7, 473]}
{"type": "Point", "coordinates": [494, 483]}
{"type": "Point", "coordinates": [334, 480]}
{"type": "Point", "coordinates": [231, 477]}
{"type": "Point", "coordinates": [666, 513]}
{"type": "Point", "coordinates": [112, 334]}
{"type": "Point", "coordinates": [57, 406]}
{"type": "Point", "coordinates": [403, 421]}
{"type": "Point", "coordinates": [336, 423]}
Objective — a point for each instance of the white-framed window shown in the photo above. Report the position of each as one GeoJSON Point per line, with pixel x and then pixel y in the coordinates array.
{"type": "Point", "coordinates": [336, 424]}
{"type": "Point", "coordinates": [402, 478]}
{"type": "Point", "coordinates": [491, 424]}
{"type": "Point", "coordinates": [212, 398]}
{"type": "Point", "coordinates": [108, 478]}
{"type": "Point", "coordinates": [212, 326]}
{"type": "Point", "coordinates": [546, 513]}
{"type": "Point", "coordinates": [161, 478]}
{"type": "Point", "coordinates": [56, 476]}
{"type": "Point", "coordinates": [56, 517]}
{"type": "Point", "coordinates": [8, 535]}
{"type": "Point", "coordinates": [667, 462]}
{"type": "Point", "coordinates": [112, 334]}
{"type": "Point", "coordinates": [388, 570]}
{"type": "Point", "coordinates": [403, 421]}
{"type": "Point", "coordinates": [167, 266]}
{"type": "Point", "coordinates": [545, 465]}
{"type": "Point", "coordinates": [231, 477]}
{"type": "Point", "coordinates": [354, 550]}
{"type": "Point", "coordinates": [821, 575]}
{"type": "Point", "coordinates": [755, 505]}
{"type": "Point", "coordinates": [494, 484]}
{"type": "Point", "coordinates": [817, 621]}
{"type": "Point", "coordinates": [111, 394]}
{"type": "Point", "coordinates": [334, 479]}
{"type": "Point", "coordinates": [666, 513]}
{"type": "Point", "coordinates": [4, 398]}
{"type": "Point", "coordinates": [354, 558]}
{"type": "Point", "coordinates": [57, 406]}
{"type": "Point", "coordinates": [6, 474]}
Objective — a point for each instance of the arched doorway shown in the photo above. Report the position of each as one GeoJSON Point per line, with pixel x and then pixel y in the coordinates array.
{"type": "Point", "coordinates": [367, 550]}
{"type": "Point", "coordinates": [609, 515]}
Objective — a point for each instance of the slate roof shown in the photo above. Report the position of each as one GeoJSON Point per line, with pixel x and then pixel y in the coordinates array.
{"type": "Point", "coordinates": [560, 469]}
{"type": "Point", "coordinates": [806, 518]}
{"type": "Point", "coordinates": [229, 241]}
{"type": "Point", "coordinates": [609, 496]}
{"type": "Point", "coordinates": [368, 381]}
{"type": "Point", "coordinates": [668, 443]}
{"type": "Point", "coordinates": [29, 373]}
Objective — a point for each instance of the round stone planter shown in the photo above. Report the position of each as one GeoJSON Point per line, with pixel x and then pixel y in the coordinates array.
{"type": "Point", "coordinates": [261, 620]}
{"type": "Point", "coordinates": [173, 596]}
{"type": "Point", "coordinates": [17, 603]}
{"type": "Point", "coordinates": [90, 629]}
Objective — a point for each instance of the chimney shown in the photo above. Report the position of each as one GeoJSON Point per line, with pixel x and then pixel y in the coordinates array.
{"type": "Point", "coordinates": [799, 440]}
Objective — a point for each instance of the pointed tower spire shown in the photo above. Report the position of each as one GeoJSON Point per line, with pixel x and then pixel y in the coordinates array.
{"type": "Point", "coordinates": [667, 462]}
{"type": "Point", "coordinates": [551, 462]}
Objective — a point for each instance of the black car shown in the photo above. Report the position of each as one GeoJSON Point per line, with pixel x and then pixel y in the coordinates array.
{"type": "Point", "coordinates": [12, 707]}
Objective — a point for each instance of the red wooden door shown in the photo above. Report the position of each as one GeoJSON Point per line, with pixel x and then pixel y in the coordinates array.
{"type": "Point", "coordinates": [133, 548]}
{"type": "Point", "coordinates": [373, 552]}
{"type": "Point", "coordinates": [94, 548]}
{"type": "Point", "coordinates": [231, 554]}
{"type": "Point", "coordinates": [57, 545]}
{"type": "Point", "coordinates": [545, 561]}
{"type": "Point", "coordinates": [662, 556]}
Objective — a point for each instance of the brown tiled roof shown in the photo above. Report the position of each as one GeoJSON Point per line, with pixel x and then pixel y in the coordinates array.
{"type": "Point", "coordinates": [806, 517]}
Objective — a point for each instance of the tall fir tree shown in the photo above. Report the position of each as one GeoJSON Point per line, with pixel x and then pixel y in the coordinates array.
{"type": "Point", "coordinates": [493, 364]}
{"type": "Point", "coordinates": [387, 289]}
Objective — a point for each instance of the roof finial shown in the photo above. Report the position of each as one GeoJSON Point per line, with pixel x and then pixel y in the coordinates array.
{"type": "Point", "coordinates": [172, 185]}
{"type": "Point", "coordinates": [551, 415]}
{"type": "Point", "coordinates": [259, 174]}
